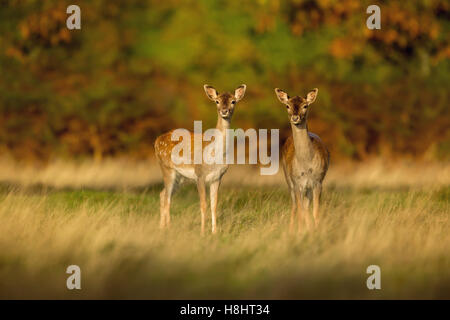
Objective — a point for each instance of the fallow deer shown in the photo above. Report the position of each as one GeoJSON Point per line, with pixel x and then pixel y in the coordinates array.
{"type": "Point", "coordinates": [203, 174]}
{"type": "Point", "coordinates": [305, 159]}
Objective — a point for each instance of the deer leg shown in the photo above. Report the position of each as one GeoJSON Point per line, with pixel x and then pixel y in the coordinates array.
{"type": "Point", "coordinates": [202, 194]}
{"type": "Point", "coordinates": [165, 196]}
{"type": "Point", "coordinates": [213, 195]}
{"type": "Point", "coordinates": [162, 209]}
{"type": "Point", "coordinates": [306, 203]}
{"type": "Point", "coordinates": [300, 211]}
{"type": "Point", "coordinates": [167, 209]}
{"type": "Point", "coordinates": [316, 199]}
{"type": "Point", "coordinates": [293, 208]}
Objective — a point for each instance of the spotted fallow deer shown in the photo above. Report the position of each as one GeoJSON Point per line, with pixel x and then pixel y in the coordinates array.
{"type": "Point", "coordinates": [305, 159]}
{"type": "Point", "coordinates": [203, 174]}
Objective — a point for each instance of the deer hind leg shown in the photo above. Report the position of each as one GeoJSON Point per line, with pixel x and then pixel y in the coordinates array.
{"type": "Point", "coordinates": [162, 208]}
{"type": "Point", "coordinates": [202, 195]}
{"type": "Point", "coordinates": [169, 176]}
{"type": "Point", "coordinates": [213, 195]}
{"type": "Point", "coordinates": [316, 199]}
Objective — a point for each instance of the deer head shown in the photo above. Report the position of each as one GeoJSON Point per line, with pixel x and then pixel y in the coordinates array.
{"type": "Point", "coordinates": [297, 107]}
{"type": "Point", "coordinates": [225, 102]}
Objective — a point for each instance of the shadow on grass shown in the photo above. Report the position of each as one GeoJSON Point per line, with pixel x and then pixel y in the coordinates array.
{"type": "Point", "coordinates": [41, 189]}
{"type": "Point", "coordinates": [441, 193]}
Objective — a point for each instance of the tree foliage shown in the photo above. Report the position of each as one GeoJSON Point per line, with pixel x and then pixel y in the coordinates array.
{"type": "Point", "coordinates": [136, 69]}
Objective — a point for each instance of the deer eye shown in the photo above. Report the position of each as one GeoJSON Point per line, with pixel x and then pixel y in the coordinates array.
{"type": "Point", "coordinates": [217, 101]}
{"type": "Point", "coordinates": [233, 102]}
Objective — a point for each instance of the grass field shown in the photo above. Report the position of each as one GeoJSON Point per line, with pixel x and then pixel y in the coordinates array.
{"type": "Point", "coordinates": [105, 219]}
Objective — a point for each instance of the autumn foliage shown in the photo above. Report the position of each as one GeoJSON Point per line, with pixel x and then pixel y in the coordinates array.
{"type": "Point", "coordinates": [136, 69]}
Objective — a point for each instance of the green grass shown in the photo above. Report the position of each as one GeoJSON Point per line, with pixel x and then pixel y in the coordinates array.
{"type": "Point", "coordinates": [114, 237]}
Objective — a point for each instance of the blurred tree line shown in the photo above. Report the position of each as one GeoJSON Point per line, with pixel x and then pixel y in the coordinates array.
{"type": "Point", "coordinates": [136, 69]}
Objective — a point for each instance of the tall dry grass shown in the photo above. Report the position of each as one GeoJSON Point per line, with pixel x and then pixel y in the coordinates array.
{"type": "Point", "coordinates": [122, 173]}
{"type": "Point", "coordinates": [398, 222]}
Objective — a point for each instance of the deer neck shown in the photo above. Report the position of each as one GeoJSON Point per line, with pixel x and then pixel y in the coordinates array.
{"type": "Point", "coordinates": [302, 143]}
{"type": "Point", "coordinates": [222, 124]}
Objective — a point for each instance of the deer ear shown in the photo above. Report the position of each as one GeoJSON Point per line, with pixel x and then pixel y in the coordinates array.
{"type": "Point", "coordinates": [311, 96]}
{"type": "Point", "coordinates": [210, 92]}
{"type": "Point", "coordinates": [239, 92]}
{"type": "Point", "coordinates": [282, 96]}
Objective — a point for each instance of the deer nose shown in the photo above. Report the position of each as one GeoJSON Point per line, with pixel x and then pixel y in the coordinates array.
{"type": "Point", "coordinates": [224, 113]}
{"type": "Point", "coordinates": [295, 119]}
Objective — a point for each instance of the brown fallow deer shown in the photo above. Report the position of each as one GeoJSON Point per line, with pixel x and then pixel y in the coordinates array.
{"type": "Point", "coordinates": [203, 174]}
{"type": "Point", "coordinates": [304, 158]}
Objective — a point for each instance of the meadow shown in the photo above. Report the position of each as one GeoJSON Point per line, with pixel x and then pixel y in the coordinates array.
{"type": "Point", "coordinates": [104, 218]}
{"type": "Point", "coordinates": [136, 70]}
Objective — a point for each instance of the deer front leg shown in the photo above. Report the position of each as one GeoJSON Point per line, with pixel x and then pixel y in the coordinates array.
{"type": "Point", "coordinates": [300, 197]}
{"type": "Point", "coordinates": [293, 208]}
{"type": "Point", "coordinates": [202, 194]}
{"type": "Point", "coordinates": [213, 194]}
{"type": "Point", "coordinates": [316, 200]}
{"type": "Point", "coordinates": [299, 201]}
{"type": "Point", "coordinates": [306, 202]}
